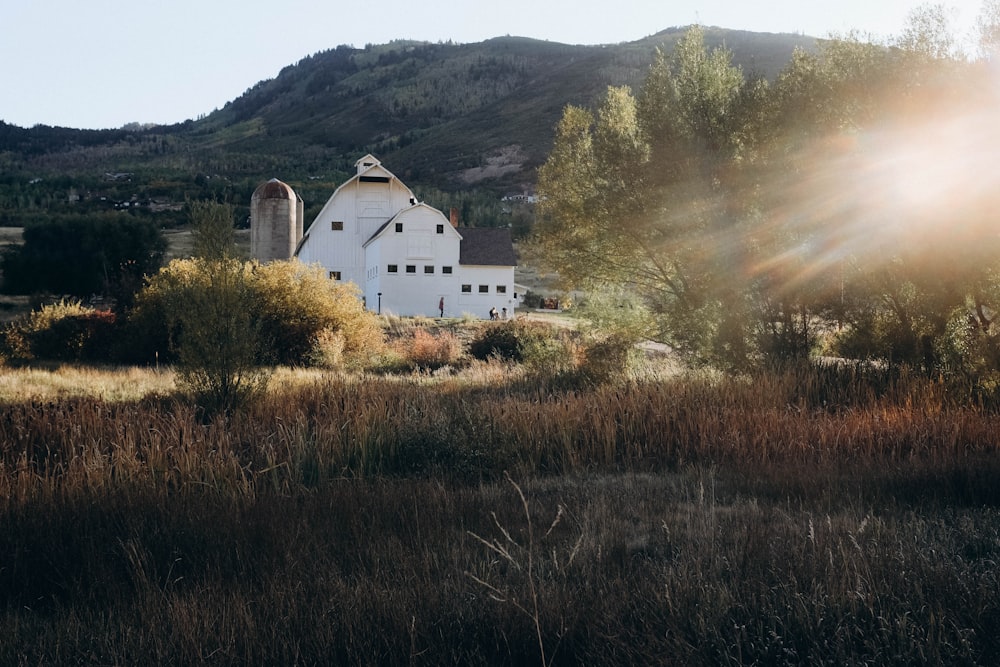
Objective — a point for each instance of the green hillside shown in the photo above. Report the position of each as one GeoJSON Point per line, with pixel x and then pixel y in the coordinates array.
{"type": "Point", "coordinates": [445, 117]}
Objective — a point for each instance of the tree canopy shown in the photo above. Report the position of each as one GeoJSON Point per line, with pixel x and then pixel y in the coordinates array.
{"type": "Point", "coordinates": [105, 254]}
{"type": "Point", "coordinates": [849, 200]}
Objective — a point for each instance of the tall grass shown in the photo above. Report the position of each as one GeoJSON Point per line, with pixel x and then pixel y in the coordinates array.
{"type": "Point", "coordinates": [309, 432]}
{"type": "Point", "coordinates": [780, 519]}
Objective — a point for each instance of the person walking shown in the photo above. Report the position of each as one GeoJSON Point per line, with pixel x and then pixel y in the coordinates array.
{"type": "Point", "coordinates": [441, 306]}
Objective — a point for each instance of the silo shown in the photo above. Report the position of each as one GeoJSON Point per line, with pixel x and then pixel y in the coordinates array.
{"type": "Point", "coordinates": [275, 221]}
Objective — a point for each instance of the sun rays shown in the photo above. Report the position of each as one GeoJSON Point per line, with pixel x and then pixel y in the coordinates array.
{"type": "Point", "coordinates": [923, 185]}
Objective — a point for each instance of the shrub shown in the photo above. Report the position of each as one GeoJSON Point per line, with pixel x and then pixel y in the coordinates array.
{"type": "Point", "coordinates": [552, 355]}
{"type": "Point", "coordinates": [296, 303]}
{"type": "Point", "coordinates": [295, 310]}
{"type": "Point", "coordinates": [969, 348]}
{"type": "Point", "coordinates": [510, 340]}
{"type": "Point", "coordinates": [327, 350]}
{"type": "Point", "coordinates": [430, 351]}
{"type": "Point", "coordinates": [606, 359]}
{"type": "Point", "coordinates": [63, 331]}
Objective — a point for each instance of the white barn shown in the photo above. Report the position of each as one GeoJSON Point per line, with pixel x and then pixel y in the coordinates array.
{"type": "Point", "coordinates": [405, 256]}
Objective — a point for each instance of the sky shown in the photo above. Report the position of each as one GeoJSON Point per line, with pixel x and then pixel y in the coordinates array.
{"type": "Point", "coordinates": [105, 63]}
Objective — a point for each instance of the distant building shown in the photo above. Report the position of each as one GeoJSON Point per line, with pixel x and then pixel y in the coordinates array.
{"type": "Point", "coordinates": [407, 258]}
{"type": "Point", "coordinates": [523, 197]}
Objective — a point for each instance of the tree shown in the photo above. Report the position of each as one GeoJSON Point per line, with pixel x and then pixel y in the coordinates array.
{"type": "Point", "coordinates": [206, 308]}
{"type": "Point", "coordinates": [634, 196]}
{"type": "Point", "coordinates": [751, 218]}
{"type": "Point", "coordinates": [928, 34]}
{"type": "Point", "coordinates": [988, 30]}
{"type": "Point", "coordinates": [212, 230]}
{"type": "Point", "coordinates": [80, 256]}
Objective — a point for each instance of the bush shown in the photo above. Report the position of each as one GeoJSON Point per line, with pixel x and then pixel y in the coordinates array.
{"type": "Point", "coordinates": [63, 331]}
{"type": "Point", "coordinates": [510, 340]}
{"type": "Point", "coordinates": [295, 303]}
{"type": "Point", "coordinates": [607, 358]}
{"type": "Point", "coordinates": [296, 311]}
{"type": "Point", "coordinates": [431, 351]}
{"type": "Point", "coordinates": [969, 348]}
{"type": "Point", "coordinates": [327, 350]}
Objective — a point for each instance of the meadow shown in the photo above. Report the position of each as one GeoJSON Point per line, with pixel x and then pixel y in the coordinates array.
{"type": "Point", "coordinates": [837, 515]}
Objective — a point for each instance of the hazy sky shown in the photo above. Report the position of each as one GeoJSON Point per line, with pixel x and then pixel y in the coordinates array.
{"type": "Point", "coordinates": [104, 63]}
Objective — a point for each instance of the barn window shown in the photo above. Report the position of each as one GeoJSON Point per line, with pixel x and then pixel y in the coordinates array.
{"type": "Point", "coordinates": [392, 268]}
{"type": "Point", "coordinates": [440, 229]}
{"type": "Point", "coordinates": [335, 275]}
{"type": "Point", "coordinates": [399, 227]}
{"type": "Point", "coordinates": [429, 268]}
{"type": "Point", "coordinates": [446, 269]}
{"type": "Point", "coordinates": [501, 289]}
{"type": "Point", "coordinates": [467, 289]}
{"type": "Point", "coordinates": [484, 289]}
{"type": "Point", "coordinates": [411, 268]}
{"type": "Point", "coordinates": [337, 225]}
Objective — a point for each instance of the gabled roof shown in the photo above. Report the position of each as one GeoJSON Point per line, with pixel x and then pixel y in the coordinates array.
{"type": "Point", "coordinates": [367, 162]}
{"type": "Point", "coordinates": [381, 228]}
{"type": "Point", "coordinates": [369, 167]}
{"type": "Point", "coordinates": [486, 246]}
{"type": "Point", "coordinates": [398, 217]}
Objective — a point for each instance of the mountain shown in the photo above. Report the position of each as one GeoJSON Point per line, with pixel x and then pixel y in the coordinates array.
{"type": "Point", "coordinates": [446, 116]}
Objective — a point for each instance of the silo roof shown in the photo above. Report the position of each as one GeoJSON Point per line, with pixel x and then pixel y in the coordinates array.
{"type": "Point", "coordinates": [274, 189]}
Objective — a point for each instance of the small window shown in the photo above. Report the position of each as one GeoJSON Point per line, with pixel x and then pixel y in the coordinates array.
{"type": "Point", "coordinates": [411, 268]}
{"type": "Point", "coordinates": [429, 269]}
{"type": "Point", "coordinates": [335, 275]}
{"type": "Point", "coordinates": [399, 227]}
{"type": "Point", "coordinates": [466, 289]}
{"type": "Point", "coordinates": [501, 289]}
{"type": "Point", "coordinates": [440, 229]}
{"type": "Point", "coordinates": [392, 268]}
{"type": "Point", "coordinates": [337, 225]}
{"type": "Point", "coordinates": [446, 270]}
{"type": "Point", "coordinates": [484, 289]}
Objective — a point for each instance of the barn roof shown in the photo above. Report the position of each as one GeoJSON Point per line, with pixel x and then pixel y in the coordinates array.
{"type": "Point", "coordinates": [486, 246]}
{"type": "Point", "coordinates": [380, 229]}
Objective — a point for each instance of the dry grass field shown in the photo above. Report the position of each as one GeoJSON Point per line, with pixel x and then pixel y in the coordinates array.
{"type": "Point", "coordinates": [834, 517]}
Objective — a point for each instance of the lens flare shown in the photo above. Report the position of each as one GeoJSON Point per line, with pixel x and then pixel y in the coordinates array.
{"type": "Point", "coordinates": [926, 182]}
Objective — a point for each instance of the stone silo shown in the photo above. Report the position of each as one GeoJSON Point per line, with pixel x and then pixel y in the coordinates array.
{"type": "Point", "coordinates": [275, 221]}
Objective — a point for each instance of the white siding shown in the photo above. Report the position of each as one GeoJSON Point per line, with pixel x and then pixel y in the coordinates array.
{"type": "Point", "coordinates": [421, 247]}
{"type": "Point", "coordinates": [479, 303]}
{"type": "Point", "coordinates": [361, 208]}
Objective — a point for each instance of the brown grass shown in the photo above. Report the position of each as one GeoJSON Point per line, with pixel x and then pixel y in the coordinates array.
{"type": "Point", "coordinates": [782, 519]}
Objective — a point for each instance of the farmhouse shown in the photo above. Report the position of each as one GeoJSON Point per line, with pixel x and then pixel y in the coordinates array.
{"type": "Point", "coordinates": [407, 258]}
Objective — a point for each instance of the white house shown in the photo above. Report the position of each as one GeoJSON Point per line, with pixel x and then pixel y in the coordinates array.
{"type": "Point", "coordinates": [407, 257]}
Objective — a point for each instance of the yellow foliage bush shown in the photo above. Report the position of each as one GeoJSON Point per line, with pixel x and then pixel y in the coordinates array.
{"type": "Point", "coordinates": [292, 305]}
